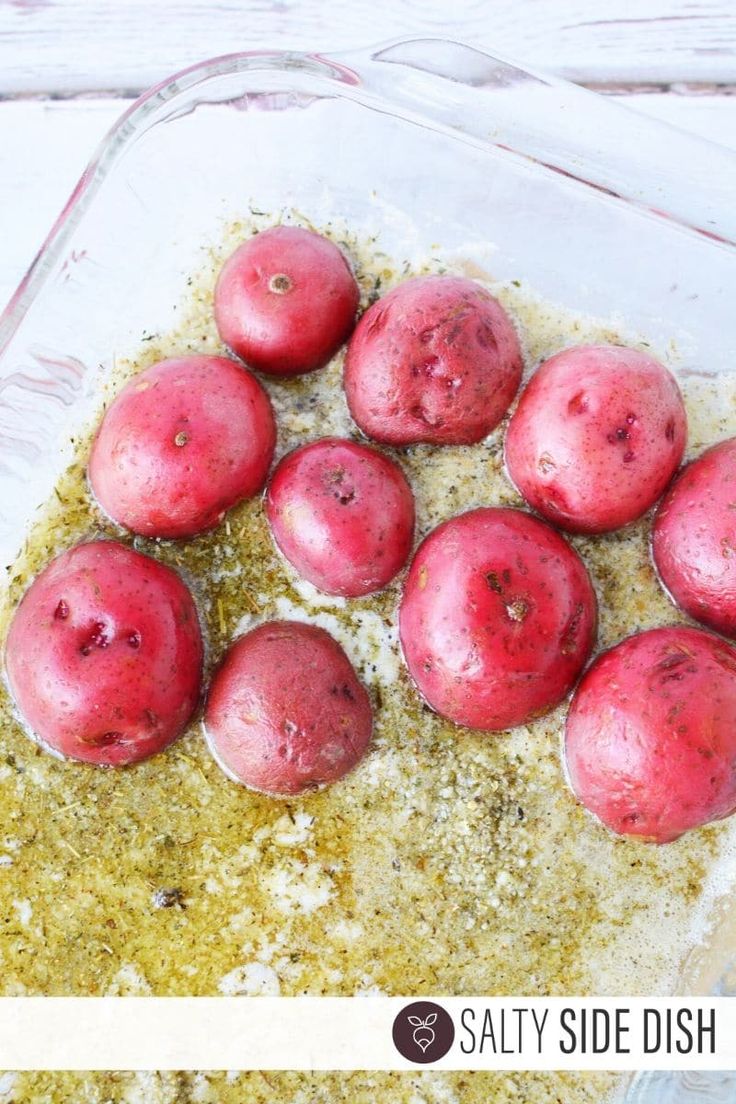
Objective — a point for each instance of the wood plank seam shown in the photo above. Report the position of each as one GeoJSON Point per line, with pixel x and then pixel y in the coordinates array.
{"type": "Point", "coordinates": [606, 88]}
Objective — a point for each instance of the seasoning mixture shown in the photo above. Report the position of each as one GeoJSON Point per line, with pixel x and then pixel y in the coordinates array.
{"type": "Point", "coordinates": [448, 862]}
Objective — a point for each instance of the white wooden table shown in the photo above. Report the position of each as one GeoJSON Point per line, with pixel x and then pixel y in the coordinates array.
{"type": "Point", "coordinates": [69, 67]}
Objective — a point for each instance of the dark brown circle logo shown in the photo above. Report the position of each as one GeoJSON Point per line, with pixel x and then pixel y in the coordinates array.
{"type": "Point", "coordinates": [423, 1032]}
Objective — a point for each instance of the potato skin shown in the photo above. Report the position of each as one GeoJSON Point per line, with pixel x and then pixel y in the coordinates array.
{"type": "Point", "coordinates": [286, 712]}
{"type": "Point", "coordinates": [342, 515]}
{"type": "Point", "coordinates": [694, 539]}
{"type": "Point", "coordinates": [183, 442]}
{"type": "Point", "coordinates": [436, 360]}
{"type": "Point", "coordinates": [104, 655]}
{"type": "Point", "coordinates": [650, 741]}
{"type": "Point", "coordinates": [285, 301]}
{"type": "Point", "coordinates": [497, 619]}
{"type": "Point", "coordinates": [598, 433]}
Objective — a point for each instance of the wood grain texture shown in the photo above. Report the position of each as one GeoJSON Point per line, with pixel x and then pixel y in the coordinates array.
{"type": "Point", "coordinates": [45, 144]}
{"type": "Point", "coordinates": [78, 45]}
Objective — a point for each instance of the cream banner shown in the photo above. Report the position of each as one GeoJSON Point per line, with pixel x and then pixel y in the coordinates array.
{"type": "Point", "coordinates": [366, 1033]}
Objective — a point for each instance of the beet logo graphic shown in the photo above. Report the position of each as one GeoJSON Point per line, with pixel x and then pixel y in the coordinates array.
{"type": "Point", "coordinates": [423, 1035]}
{"type": "Point", "coordinates": [423, 1032]}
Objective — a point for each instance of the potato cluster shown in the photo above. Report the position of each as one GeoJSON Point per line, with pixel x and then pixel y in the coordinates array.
{"type": "Point", "coordinates": [497, 617]}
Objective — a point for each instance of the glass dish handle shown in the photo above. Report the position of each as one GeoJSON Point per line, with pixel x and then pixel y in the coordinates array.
{"type": "Point", "coordinates": [550, 121]}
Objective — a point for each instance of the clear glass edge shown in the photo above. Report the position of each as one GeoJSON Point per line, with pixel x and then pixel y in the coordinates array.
{"type": "Point", "coordinates": [353, 74]}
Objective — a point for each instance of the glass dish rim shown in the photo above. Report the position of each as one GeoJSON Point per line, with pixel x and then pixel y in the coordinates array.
{"type": "Point", "coordinates": [350, 74]}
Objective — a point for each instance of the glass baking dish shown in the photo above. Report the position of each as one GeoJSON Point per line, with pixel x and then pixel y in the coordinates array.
{"type": "Point", "coordinates": [422, 142]}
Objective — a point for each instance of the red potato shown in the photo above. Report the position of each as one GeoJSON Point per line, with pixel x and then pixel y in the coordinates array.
{"type": "Point", "coordinates": [104, 655]}
{"type": "Point", "coordinates": [694, 539]}
{"type": "Point", "coordinates": [183, 442]}
{"type": "Point", "coordinates": [650, 742]}
{"type": "Point", "coordinates": [285, 301]}
{"type": "Point", "coordinates": [286, 712]}
{"type": "Point", "coordinates": [598, 433]}
{"type": "Point", "coordinates": [342, 514]}
{"type": "Point", "coordinates": [437, 360]}
{"type": "Point", "coordinates": [497, 619]}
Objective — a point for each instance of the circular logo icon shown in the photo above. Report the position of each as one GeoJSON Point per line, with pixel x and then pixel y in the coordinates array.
{"type": "Point", "coordinates": [423, 1032]}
